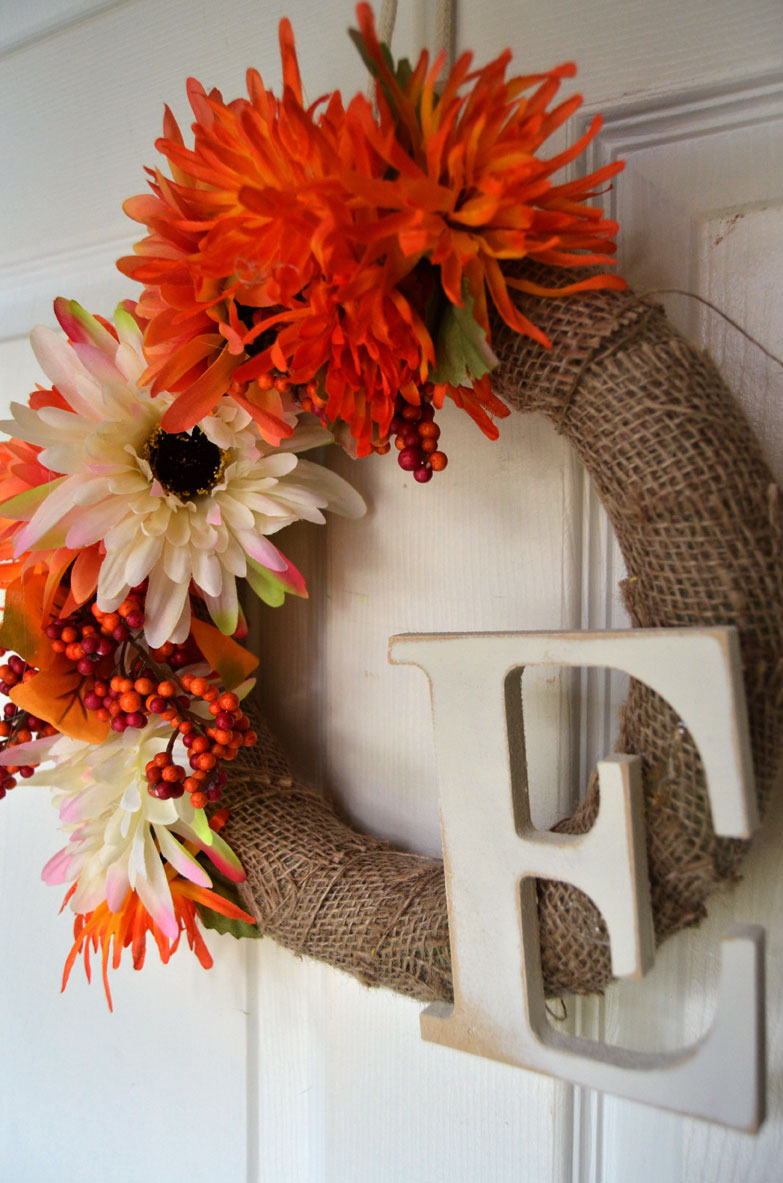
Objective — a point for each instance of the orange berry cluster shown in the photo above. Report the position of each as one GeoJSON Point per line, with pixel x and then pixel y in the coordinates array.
{"type": "Point", "coordinates": [313, 400]}
{"type": "Point", "coordinates": [207, 746]}
{"type": "Point", "coordinates": [17, 726]}
{"type": "Point", "coordinates": [264, 381]}
{"type": "Point", "coordinates": [416, 438]}
{"type": "Point", "coordinates": [148, 685]}
{"type": "Point", "coordinates": [125, 683]}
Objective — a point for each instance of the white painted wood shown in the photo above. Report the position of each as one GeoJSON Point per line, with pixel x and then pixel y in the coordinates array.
{"type": "Point", "coordinates": [709, 200]}
{"type": "Point", "coordinates": [345, 1089]}
{"type": "Point", "coordinates": [698, 671]}
{"type": "Point", "coordinates": [86, 1077]}
{"type": "Point", "coordinates": [23, 22]}
{"type": "Point", "coordinates": [490, 848]}
{"type": "Point", "coordinates": [489, 842]}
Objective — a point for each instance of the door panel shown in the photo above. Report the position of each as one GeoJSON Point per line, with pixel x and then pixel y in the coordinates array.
{"type": "Point", "coordinates": [700, 204]}
{"type": "Point", "coordinates": [300, 1074]}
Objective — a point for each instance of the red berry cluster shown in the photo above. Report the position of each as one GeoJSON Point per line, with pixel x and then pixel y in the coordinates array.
{"type": "Point", "coordinates": [412, 428]}
{"type": "Point", "coordinates": [17, 726]}
{"type": "Point", "coordinates": [416, 438]}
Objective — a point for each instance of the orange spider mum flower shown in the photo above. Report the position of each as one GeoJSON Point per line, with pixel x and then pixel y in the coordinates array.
{"type": "Point", "coordinates": [129, 927]}
{"type": "Point", "coordinates": [295, 244]}
{"type": "Point", "coordinates": [365, 340]}
{"type": "Point", "coordinates": [478, 400]}
{"type": "Point", "coordinates": [469, 189]}
{"type": "Point", "coordinates": [253, 213]}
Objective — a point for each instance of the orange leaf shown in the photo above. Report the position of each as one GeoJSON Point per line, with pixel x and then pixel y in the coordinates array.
{"type": "Point", "coordinates": [232, 661]}
{"type": "Point", "coordinates": [55, 695]}
{"type": "Point", "coordinates": [58, 563]}
{"type": "Point", "coordinates": [84, 574]}
{"type": "Point", "coordinates": [22, 627]}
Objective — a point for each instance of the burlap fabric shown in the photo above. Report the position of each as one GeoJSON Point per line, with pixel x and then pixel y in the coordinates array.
{"type": "Point", "coordinates": [698, 518]}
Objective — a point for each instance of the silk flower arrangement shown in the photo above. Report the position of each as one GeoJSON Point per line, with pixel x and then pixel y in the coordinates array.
{"type": "Point", "coordinates": [309, 274]}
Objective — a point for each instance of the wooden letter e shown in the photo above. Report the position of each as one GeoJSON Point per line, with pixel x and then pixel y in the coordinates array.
{"type": "Point", "coordinates": [492, 856]}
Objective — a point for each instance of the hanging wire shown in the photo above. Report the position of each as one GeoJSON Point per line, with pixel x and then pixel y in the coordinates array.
{"type": "Point", "coordinates": [714, 307]}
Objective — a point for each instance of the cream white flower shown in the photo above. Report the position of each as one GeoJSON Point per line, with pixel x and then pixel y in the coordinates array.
{"type": "Point", "coordinates": [117, 831]}
{"type": "Point", "coordinates": [198, 505]}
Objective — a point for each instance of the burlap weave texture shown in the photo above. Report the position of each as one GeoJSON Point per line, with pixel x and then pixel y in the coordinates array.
{"type": "Point", "coordinates": [698, 518]}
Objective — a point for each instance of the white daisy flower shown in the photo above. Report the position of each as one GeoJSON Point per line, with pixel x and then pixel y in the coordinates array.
{"type": "Point", "coordinates": [173, 508]}
{"type": "Point", "coordinates": [118, 832]}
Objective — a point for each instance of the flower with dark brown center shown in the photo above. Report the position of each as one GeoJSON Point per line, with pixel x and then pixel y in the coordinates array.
{"type": "Point", "coordinates": [185, 462]}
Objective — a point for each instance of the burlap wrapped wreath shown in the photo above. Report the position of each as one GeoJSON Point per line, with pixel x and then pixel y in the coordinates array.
{"type": "Point", "coordinates": [698, 518]}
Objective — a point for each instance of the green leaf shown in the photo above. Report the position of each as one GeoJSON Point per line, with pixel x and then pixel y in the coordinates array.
{"type": "Point", "coordinates": [462, 351]}
{"type": "Point", "coordinates": [22, 507]}
{"type": "Point", "coordinates": [266, 587]}
{"type": "Point", "coordinates": [226, 924]}
{"type": "Point", "coordinates": [358, 41]}
{"type": "Point", "coordinates": [372, 66]}
{"type": "Point", "coordinates": [403, 72]}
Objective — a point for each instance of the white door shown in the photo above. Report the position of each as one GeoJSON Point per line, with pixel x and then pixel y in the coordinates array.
{"type": "Point", "coordinates": [266, 1067]}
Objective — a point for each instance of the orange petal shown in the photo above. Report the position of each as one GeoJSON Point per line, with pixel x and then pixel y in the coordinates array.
{"type": "Point", "coordinates": [199, 399]}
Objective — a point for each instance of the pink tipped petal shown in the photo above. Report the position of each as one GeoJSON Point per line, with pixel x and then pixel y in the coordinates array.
{"type": "Point", "coordinates": [101, 366]}
{"type": "Point", "coordinates": [226, 861]}
{"type": "Point", "coordinates": [152, 888]}
{"type": "Point", "coordinates": [95, 522]}
{"type": "Point", "coordinates": [262, 551]}
{"type": "Point", "coordinates": [81, 327]}
{"type": "Point", "coordinates": [217, 850]}
{"type": "Point", "coordinates": [61, 365]}
{"type": "Point", "coordinates": [182, 862]}
{"type": "Point", "coordinates": [117, 885]}
{"type": "Point", "coordinates": [72, 809]}
{"type": "Point", "coordinates": [162, 915]}
{"type": "Point", "coordinates": [35, 750]}
{"type": "Point", "coordinates": [293, 581]}
{"type": "Point", "coordinates": [56, 870]}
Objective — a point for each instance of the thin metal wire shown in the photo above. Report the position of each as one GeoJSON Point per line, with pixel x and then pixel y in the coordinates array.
{"type": "Point", "coordinates": [714, 307]}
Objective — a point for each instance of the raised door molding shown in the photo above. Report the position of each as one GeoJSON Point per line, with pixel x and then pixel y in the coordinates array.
{"type": "Point", "coordinates": [700, 205]}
